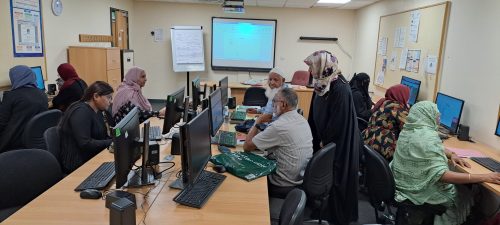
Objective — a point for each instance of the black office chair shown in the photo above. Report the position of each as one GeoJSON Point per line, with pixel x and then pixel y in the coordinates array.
{"type": "Point", "coordinates": [318, 180]}
{"type": "Point", "coordinates": [362, 124]}
{"type": "Point", "coordinates": [26, 173]}
{"type": "Point", "coordinates": [53, 142]}
{"type": "Point", "coordinates": [292, 211]}
{"type": "Point", "coordinates": [36, 126]}
{"type": "Point", "coordinates": [255, 96]}
{"type": "Point", "coordinates": [300, 111]}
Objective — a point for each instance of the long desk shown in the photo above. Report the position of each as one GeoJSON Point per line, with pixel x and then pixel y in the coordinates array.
{"type": "Point", "coordinates": [238, 90]}
{"type": "Point", "coordinates": [235, 201]}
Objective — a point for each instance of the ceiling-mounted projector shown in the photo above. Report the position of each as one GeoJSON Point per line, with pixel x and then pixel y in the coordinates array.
{"type": "Point", "coordinates": [233, 6]}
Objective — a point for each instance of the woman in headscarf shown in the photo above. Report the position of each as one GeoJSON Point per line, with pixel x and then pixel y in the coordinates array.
{"type": "Point", "coordinates": [362, 101]}
{"type": "Point", "coordinates": [332, 118]}
{"type": "Point", "coordinates": [129, 95]}
{"type": "Point", "coordinates": [387, 121]}
{"type": "Point", "coordinates": [71, 90]}
{"type": "Point", "coordinates": [421, 171]}
{"type": "Point", "coordinates": [18, 106]}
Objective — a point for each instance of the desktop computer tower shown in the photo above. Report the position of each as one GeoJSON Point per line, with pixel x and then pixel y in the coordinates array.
{"type": "Point", "coordinates": [154, 153]}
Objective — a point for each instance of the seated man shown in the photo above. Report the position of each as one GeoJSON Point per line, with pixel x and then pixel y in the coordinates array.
{"type": "Point", "coordinates": [288, 140]}
{"type": "Point", "coordinates": [275, 81]}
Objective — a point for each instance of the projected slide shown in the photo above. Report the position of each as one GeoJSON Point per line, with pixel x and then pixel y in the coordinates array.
{"type": "Point", "coordinates": [243, 44]}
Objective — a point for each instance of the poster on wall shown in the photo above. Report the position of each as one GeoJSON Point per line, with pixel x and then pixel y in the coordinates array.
{"type": "Point", "coordinates": [26, 23]}
{"type": "Point", "coordinates": [413, 61]}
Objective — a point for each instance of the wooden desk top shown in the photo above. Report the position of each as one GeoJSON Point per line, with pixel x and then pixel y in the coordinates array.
{"type": "Point", "coordinates": [237, 85]}
{"type": "Point", "coordinates": [235, 201]}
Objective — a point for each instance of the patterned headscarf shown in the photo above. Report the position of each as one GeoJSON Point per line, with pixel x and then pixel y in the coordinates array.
{"type": "Point", "coordinates": [22, 76]}
{"type": "Point", "coordinates": [323, 66]}
{"type": "Point", "coordinates": [130, 91]}
{"type": "Point", "coordinates": [68, 73]}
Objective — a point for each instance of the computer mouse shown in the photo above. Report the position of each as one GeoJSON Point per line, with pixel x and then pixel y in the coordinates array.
{"type": "Point", "coordinates": [219, 168]}
{"type": "Point", "coordinates": [90, 194]}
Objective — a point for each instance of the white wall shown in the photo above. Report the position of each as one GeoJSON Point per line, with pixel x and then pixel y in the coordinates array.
{"type": "Point", "coordinates": [470, 70]}
{"type": "Point", "coordinates": [78, 17]}
{"type": "Point", "coordinates": [155, 58]}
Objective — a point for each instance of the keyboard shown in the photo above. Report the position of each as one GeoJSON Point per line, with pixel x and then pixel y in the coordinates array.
{"type": "Point", "coordinates": [443, 136]}
{"type": "Point", "coordinates": [489, 163]}
{"type": "Point", "coordinates": [197, 195]}
{"type": "Point", "coordinates": [154, 133]}
{"type": "Point", "coordinates": [100, 178]}
{"type": "Point", "coordinates": [239, 115]}
{"type": "Point", "coordinates": [227, 138]}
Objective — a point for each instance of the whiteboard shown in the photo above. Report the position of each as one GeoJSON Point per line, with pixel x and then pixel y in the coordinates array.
{"type": "Point", "coordinates": [187, 48]}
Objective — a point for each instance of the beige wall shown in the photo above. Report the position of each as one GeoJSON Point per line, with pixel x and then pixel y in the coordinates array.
{"type": "Point", "coordinates": [470, 70]}
{"type": "Point", "coordinates": [78, 17]}
{"type": "Point", "coordinates": [155, 57]}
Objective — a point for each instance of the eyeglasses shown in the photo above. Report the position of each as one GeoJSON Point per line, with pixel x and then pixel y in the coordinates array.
{"type": "Point", "coordinates": [109, 97]}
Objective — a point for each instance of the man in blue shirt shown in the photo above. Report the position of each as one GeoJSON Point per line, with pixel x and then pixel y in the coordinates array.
{"type": "Point", "coordinates": [275, 82]}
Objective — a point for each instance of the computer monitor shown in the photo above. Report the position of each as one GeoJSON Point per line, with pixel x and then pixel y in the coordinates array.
{"type": "Point", "coordinates": [414, 86]}
{"type": "Point", "coordinates": [223, 85]}
{"type": "Point", "coordinates": [451, 111]}
{"type": "Point", "coordinates": [126, 136]}
{"type": "Point", "coordinates": [174, 109]}
{"type": "Point", "coordinates": [195, 93]}
{"type": "Point", "coordinates": [216, 111]}
{"type": "Point", "coordinates": [497, 131]}
{"type": "Point", "coordinates": [196, 147]}
{"type": "Point", "coordinates": [40, 83]}
{"type": "Point", "coordinates": [185, 115]}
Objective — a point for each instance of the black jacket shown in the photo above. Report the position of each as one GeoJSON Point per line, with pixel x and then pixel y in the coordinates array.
{"type": "Point", "coordinates": [69, 95]}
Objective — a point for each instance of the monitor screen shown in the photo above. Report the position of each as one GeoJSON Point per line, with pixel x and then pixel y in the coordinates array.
{"type": "Point", "coordinates": [40, 84]}
{"type": "Point", "coordinates": [414, 86]}
{"type": "Point", "coordinates": [216, 111]}
{"type": "Point", "coordinates": [243, 44]}
{"type": "Point", "coordinates": [195, 86]}
{"type": "Point", "coordinates": [126, 135]}
{"type": "Point", "coordinates": [451, 110]}
{"type": "Point", "coordinates": [497, 131]}
{"type": "Point", "coordinates": [173, 109]}
{"type": "Point", "coordinates": [196, 147]}
{"type": "Point", "coordinates": [223, 85]}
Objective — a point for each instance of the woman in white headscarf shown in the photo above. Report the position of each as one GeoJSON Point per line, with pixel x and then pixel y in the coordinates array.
{"type": "Point", "coordinates": [332, 118]}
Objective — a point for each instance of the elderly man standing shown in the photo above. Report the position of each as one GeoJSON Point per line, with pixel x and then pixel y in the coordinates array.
{"type": "Point", "coordinates": [275, 82]}
{"type": "Point", "coordinates": [288, 140]}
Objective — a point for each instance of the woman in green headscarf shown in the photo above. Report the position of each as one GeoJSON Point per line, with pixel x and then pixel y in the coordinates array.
{"type": "Point", "coordinates": [420, 167]}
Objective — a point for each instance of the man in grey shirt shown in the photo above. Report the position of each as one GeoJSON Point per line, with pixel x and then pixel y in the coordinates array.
{"type": "Point", "coordinates": [288, 140]}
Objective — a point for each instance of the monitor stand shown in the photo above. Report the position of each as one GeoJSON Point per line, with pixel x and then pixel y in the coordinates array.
{"type": "Point", "coordinates": [177, 184]}
{"type": "Point", "coordinates": [443, 130]}
{"type": "Point", "coordinates": [141, 177]}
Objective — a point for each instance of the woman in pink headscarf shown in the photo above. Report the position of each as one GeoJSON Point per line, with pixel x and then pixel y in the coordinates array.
{"type": "Point", "coordinates": [129, 95]}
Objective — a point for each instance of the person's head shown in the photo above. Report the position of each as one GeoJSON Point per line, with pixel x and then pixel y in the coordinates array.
{"type": "Point", "coordinates": [424, 114]}
{"type": "Point", "coordinates": [276, 78]}
{"type": "Point", "coordinates": [136, 75]}
{"type": "Point", "coordinates": [360, 80]}
{"type": "Point", "coordinates": [399, 93]}
{"type": "Point", "coordinates": [22, 76]}
{"type": "Point", "coordinates": [100, 94]}
{"type": "Point", "coordinates": [284, 101]}
{"type": "Point", "coordinates": [323, 67]}
{"type": "Point", "coordinates": [67, 71]}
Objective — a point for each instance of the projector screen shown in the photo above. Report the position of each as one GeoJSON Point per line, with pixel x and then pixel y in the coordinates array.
{"type": "Point", "coordinates": [243, 44]}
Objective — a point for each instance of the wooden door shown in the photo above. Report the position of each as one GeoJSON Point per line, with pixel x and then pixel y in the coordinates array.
{"type": "Point", "coordinates": [119, 28]}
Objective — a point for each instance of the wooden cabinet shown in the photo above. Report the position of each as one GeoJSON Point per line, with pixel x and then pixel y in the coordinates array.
{"type": "Point", "coordinates": [93, 64]}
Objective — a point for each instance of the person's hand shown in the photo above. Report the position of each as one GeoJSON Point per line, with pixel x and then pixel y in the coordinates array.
{"type": "Point", "coordinates": [252, 111]}
{"type": "Point", "coordinates": [491, 178]}
{"type": "Point", "coordinates": [457, 160]}
{"type": "Point", "coordinates": [161, 113]}
{"type": "Point", "coordinates": [258, 120]}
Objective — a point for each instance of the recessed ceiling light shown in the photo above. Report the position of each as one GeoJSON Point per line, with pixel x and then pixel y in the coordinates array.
{"type": "Point", "coordinates": [334, 1]}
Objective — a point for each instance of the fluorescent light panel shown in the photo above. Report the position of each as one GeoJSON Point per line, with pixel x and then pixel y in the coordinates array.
{"type": "Point", "coordinates": [333, 1]}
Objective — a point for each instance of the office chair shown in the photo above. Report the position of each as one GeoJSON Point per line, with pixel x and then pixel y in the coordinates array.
{"type": "Point", "coordinates": [300, 77]}
{"type": "Point", "coordinates": [292, 211]}
{"type": "Point", "coordinates": [29, 172]}
{"type": "Point", "coordinates": [53, 142]}
{"type": "Point", "coordinates": [300, 111]}
{"type": "Point", "coordinates": [318, 180]}
{"type": "Point", "coordinates": [362, 124]}
{"type": "Point", "coordinates": [255, 96]}
{"type": "Point", "coordinates": [33, 132]}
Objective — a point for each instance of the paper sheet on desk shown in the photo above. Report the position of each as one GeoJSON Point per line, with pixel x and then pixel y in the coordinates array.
{"type": "Point", "coordinates": [466, 153]}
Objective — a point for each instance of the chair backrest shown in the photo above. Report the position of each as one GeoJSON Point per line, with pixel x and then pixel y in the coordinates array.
{"type": "Point", "coordinates": [300, 77]}
{"type": "Point", "coordinates": [318, 176]}
{"type": "Point", "coordinates": [362, 124]}
{"type": "Point", "coordinates": [26, 173]}
{"type": "Point", "coordinates": [255, 96]}
{"type": "Point", "coordinates": [292, 211]}
{"type": "Point", "coordinates": [36, 126]}
{"type": "Point", "coordinates": [53, 141]}
{"type": "Point", "coordinates": [379, 178]}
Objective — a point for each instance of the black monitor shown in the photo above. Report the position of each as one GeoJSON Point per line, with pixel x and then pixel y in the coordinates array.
{"type": "Point", "coordinates": [414, 86]}
{"type": "Point", "coordinates": [196, 147]}
{"type": "Point", "coordinates": [497, 131]}
{"type": "Point", "coordinates": [223, 85]}
{"type": "Point", "coordinates": [451, 111]}
{"type": "Point", "coordinates": [185, 115]}
{"type": "Point", "coordinates": [216, 111]}
{"type": "Point", "coordinates": [126, 136]}
{"type": "Point", "coordinates": [196, 92]}
{"type": "Point", "coordinates": [40, 83]}
{"type": "Point", "coordinates": [174, 109]}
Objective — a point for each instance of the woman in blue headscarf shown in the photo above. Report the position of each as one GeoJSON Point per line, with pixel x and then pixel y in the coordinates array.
{"type": "Point", "coordinates": [18, 106]}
